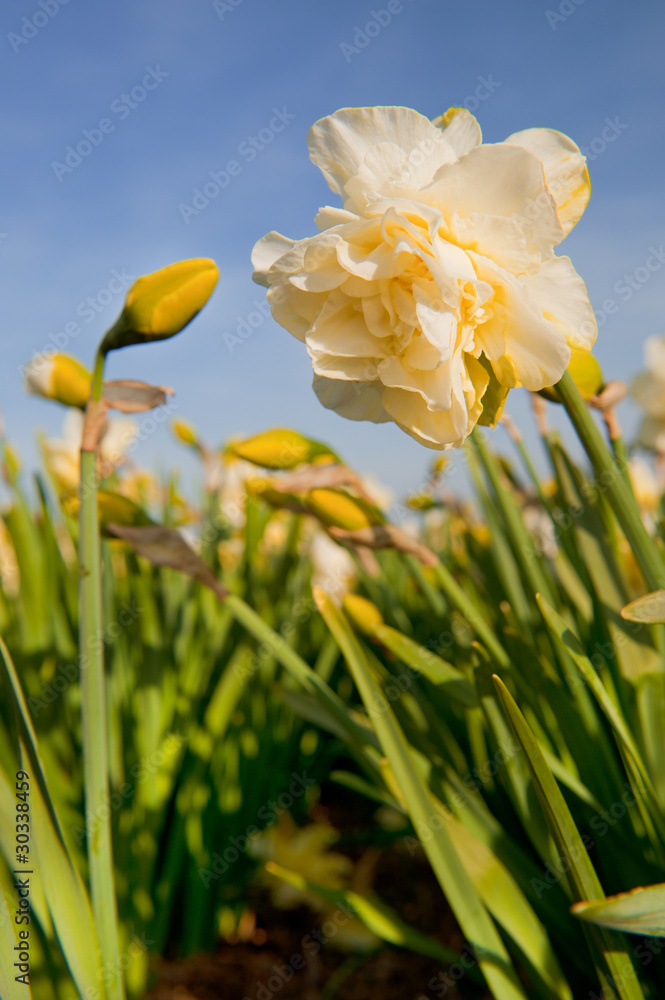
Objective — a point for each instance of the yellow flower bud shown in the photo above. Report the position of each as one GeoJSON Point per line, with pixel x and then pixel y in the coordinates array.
{"type": "Point", "coordinates": [339, 509]}
{"type": "Point", "coordinates": [112, 508]}
{"type": "Point", "coordinates": [363, 615]}
{"type": "Point", "coordinates": [59, 377]}
{"type": "Point", "coordinates": [585, 373]}
{"type": "Point", "coordinates": [281, 448]}
{"type": "Point", "coordinates": [161, 304]}
{"type": "Point", "coordinates": [185, 432]}
{"type": "Point", "coordinates": [421, 501]}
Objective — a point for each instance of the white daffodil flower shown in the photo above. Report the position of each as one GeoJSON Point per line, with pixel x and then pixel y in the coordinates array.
{"type": "Point", "coordinates": [434, 289]}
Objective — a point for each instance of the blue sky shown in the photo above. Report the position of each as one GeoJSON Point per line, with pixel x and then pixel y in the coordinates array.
{"type": "Point", "coordinates": [219, 72]}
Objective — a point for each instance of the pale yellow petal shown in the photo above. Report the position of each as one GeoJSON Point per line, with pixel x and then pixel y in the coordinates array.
{"type": "Point", "coordinates": [565, 169]}
{"type": "Point", "coordinates": [562, 296]}
{"type": "Point", "coordinates": [353, 400]}
{"type": "Point", "coordinates": [460, 129]}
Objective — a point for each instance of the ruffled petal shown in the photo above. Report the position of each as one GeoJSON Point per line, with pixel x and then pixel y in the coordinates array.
{"type": "Point", "coordinates": [353, 400]}
{"type": "Point", "coordinates": [460, 129]}
{"type": "Point", "coordinates": [266, 251]}
{"type": "Point", "coordinates": [340, 329]}
{"type": "Point", "coordinates": [566, 174]}
{"type": "Point", "coordinates": [294, 309]}
{"type": "Point", "coordinates": [434, 428]}
{"type": "Point", "coordinates": [523, 347]}
{"type": "Point", "coordinates": [563, 299]}
{"type": "Point", "coordinates": [434, 386]}
{"type": "Point", "coordinates": [340, 143]}
{"type": "Point", "coordinates": [502, 180]}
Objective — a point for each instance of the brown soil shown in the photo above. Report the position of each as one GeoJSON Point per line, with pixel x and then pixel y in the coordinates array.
{"type": "Point", "coordinates": [283, 960]}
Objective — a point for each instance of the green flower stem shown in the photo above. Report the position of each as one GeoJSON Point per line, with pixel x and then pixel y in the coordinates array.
{"type": "Point", "coordinates": [94, 721]}
{"type": "Point", "coordinates": [308, 678]}
{"type": "Point", "coordinates": [522, 542]}
{"type": "Point", "coordinates": [611, 479]}
{"type": "Point", "coordinates": [473, 615]}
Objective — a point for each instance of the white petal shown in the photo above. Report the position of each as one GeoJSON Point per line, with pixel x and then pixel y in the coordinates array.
{"type": "Point", "coordinates": [354, 400]}
{"type": "Point", "coordinates": [566, 175]}
{"type": "Point", "coordinates": [438, 323]}
{"type": "Point", "coordinates": [500, 238]}
{"type": "Point", "coordinates": [460, 129]}
{"type": "Point", "coordinates": [294, 309]}
{"type": "Point", "coordinates": [503, 180]}
{"type": "Point", "coordinates": [339, 143]}
{"type": "Point", "coordinates": [268, 249]}
{"type": "Point", "coordinates": [654, 355]}
{"type": "Point", "coordinates": [652, 434]}
{"type": "Point", "coordinates": [434, 386]}
{"type": "Point", "coordinates": [328, 217]}
{"type": "Point", "coordinates": [376, 316]}
{"type": "Point", "coordinates": [562, 296]}
{"type": "Point", "coordinates": [523, 347]}
{"type": "Point", "coordinates": [321, 269]}
{"type": "Point", "coordinates": [434, 429]}
{"type": "Point", "coordinates": [38, 373]}
{"type": "Point", "coordinates": [334, 366]}
{"type": "Point", "coordinates": [649, 392]}
{"type": "Point", "coordinates": [340, 329]}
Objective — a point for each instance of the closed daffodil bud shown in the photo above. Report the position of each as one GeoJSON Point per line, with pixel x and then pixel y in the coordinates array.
{"type": "Point", "coordinates": [161, 304]}
{"type": "Point", "coordinates": [59, 377]}
{"type": "Point", "coordinates": [363, 615]}
{"type": "Point", "coordinates": [185, 432]}
{"type": "Point", "coordinates": [112, 508]}
{"type": "Point", "coordinates": [422, 501]}
{"type": "Point", "coordinates": [585, 373]}
{"type": "Point", "coordinates": [338, 509]}
{"type": "Point", "coordinates": [281, 448]}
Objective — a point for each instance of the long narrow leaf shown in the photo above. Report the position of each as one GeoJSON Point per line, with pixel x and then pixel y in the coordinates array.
{"type": "Point", "coordinates": [469, 910]}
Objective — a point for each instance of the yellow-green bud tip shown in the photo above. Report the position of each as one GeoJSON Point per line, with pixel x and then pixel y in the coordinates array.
{"type": "Point", "coordinates": [364, 615]}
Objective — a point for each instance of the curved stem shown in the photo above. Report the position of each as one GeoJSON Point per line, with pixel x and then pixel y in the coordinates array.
{"type": "Point", "coordinates": [611, 479]}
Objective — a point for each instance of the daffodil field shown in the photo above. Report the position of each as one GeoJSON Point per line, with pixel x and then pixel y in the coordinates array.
{"type": "Point", "coordinates": [486, 673]}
